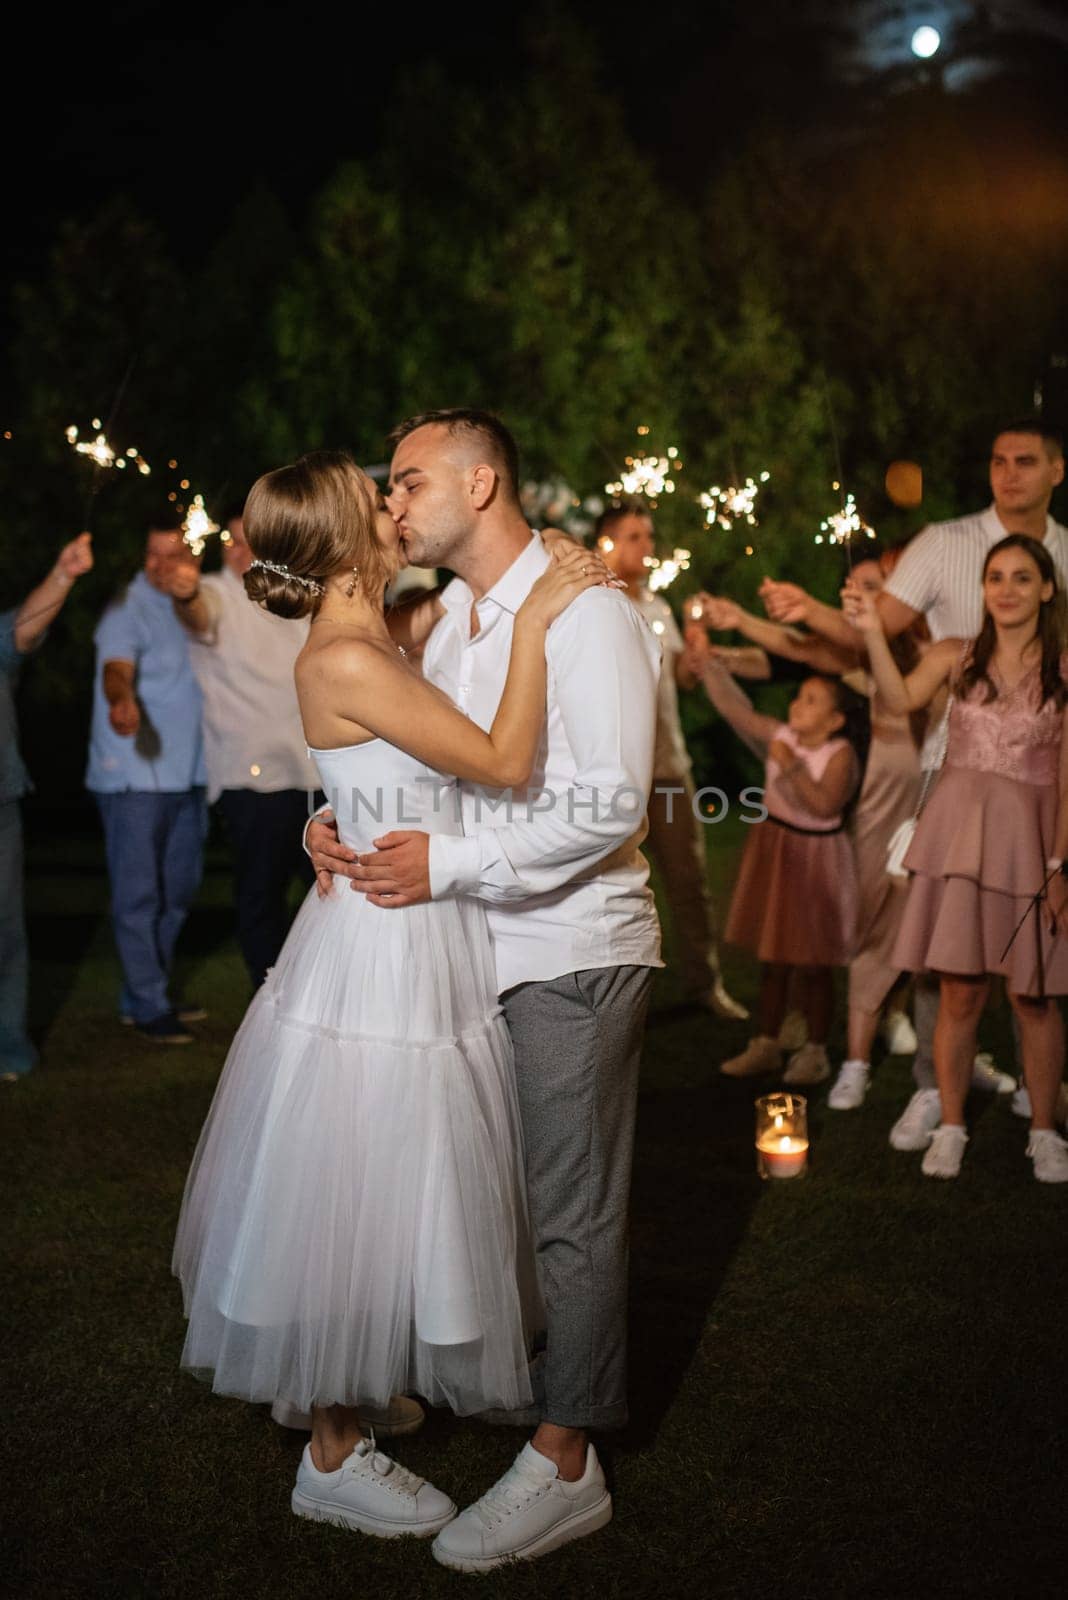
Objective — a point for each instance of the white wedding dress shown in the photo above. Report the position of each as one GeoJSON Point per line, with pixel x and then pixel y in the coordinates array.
{"type": "Point", "coordinates": [354, 1222]}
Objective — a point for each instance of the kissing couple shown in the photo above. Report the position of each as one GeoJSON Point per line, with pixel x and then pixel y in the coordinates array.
{"type": "Point", "coordinates": [414, 1175]}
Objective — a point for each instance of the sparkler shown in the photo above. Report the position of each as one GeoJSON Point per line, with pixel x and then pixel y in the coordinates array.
{"type": "Point", "coordinates": [726, 506]}
{"type": "Point", "coordinates": [663, 573]}
{"type": "Point", "coordinates": [197, 526]}
{"type": "Point", "coordinates": [843, 526]}
{"type": "Point", "coordinates": [647, 475]}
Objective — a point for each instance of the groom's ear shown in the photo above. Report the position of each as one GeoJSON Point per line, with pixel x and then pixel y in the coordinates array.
{"type": "Point", "coordinates": [482, 482]}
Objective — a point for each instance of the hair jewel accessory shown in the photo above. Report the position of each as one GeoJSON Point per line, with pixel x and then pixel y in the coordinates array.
{"type": "Point", "coordinates": [280, 570]}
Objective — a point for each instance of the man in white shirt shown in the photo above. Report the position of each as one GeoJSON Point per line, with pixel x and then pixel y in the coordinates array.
{"type": "Point", "coordinates": [939, 577]}
{"type": "Point", "coordinates": [625, 539]}
{"type": "Point", "coordinates": [575, 937]}
{"type": "Point", "coordinates": [254, 747]}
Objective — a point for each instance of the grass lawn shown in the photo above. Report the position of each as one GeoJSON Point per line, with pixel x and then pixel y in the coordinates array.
{"type": "Point", "coordinates": [848, 1385]}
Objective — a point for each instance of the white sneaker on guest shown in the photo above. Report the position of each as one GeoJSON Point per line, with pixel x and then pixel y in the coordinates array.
{"type": "Point", "coordinates": [528, 1512]}
{"type": "Point", "coordinates": [899, 1036]}
{"type": "Point", "coordinates": [372, 1494]}
{"type": "Point", "coordinates": [850, 1086]}
{"type": "Point", "coordinates": [1021, 1103]}
{"type": "Point", "coordinates": [986, 1076]}
{"type": "Point", "coordinates": [1049, 1152]}
{"type": "Point", "coordinates": [945, 1152]}
{"type": "Point", "coordinates": [915, 1125]}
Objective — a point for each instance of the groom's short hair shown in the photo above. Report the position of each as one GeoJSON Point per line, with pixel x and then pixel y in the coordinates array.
{"type": "Point", "coordinates": [501, 449]}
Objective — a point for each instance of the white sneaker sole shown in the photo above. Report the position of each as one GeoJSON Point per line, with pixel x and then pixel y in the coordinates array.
{"type": "Point", "coordinates": [363, 1521]}
{"type": "Point", "coordinates": [576, 1526]}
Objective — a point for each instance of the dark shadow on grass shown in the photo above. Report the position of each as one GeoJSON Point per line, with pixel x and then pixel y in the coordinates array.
{"type": "Point", "coordinates": [694, 1190]}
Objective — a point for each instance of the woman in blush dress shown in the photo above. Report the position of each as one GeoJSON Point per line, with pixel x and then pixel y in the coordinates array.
{"type": "Point", "coordinates": [988, 894]}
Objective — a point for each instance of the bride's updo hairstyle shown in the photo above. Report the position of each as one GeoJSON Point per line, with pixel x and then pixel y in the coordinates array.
{"type": "Point", "coordinates": [305, 523]}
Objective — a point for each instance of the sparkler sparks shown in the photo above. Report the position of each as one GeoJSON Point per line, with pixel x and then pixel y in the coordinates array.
{"type": "Point", "coordinates": [197, 526]}
{"type": "Point", "coordinates": [647, 475]}
{"type": "Point", "coordinates": [98, 450]}
{"type": "Point", "coordinates": [663, 573]}
{"type": "Point", "coordinates": [726, 506]}
{"type": "Point", "coordinates": [843, 526]}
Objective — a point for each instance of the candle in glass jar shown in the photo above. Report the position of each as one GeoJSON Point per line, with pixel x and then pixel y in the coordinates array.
{"type": "Point", "coordinates": [782, 1155]}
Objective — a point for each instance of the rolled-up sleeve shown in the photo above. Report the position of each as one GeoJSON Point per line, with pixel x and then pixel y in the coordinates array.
{"type": "Point", "coordinates": [10, 655]}
{"type": "Point", "coordinates": [604, 666]}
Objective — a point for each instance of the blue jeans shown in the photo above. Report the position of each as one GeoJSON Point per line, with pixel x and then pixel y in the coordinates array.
{"type": "Point", "coordinates": [16, 1052]}
{"type": "Point", "coordinates": [155, 852]}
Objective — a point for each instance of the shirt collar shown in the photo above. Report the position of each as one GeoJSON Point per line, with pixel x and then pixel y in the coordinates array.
{"type": "Point", "coordinates": [997, 529]}
{"type": "Point", "coordinates": [511, 588]}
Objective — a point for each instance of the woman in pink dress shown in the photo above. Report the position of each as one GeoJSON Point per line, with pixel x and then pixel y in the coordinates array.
{"type": "Point", "coordinates": [992, 835]}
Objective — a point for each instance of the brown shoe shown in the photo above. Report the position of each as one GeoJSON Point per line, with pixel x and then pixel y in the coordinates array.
{"type": "Point", "coordinates": [808, 1065]}
{"type": "Point", "coordinates": [759, 1056]}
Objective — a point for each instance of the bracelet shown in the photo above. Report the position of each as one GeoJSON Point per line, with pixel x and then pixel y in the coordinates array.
{"type": "Point", "coordinates": [1057, 864]}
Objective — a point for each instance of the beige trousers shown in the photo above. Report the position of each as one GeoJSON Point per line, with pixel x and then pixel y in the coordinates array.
{"type": "Point", "coordinates": [677, 847]}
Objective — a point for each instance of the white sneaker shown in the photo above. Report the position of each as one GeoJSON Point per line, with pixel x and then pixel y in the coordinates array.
{"type": "Point", "coordinates": [807, 1065]}
{"type": "Point", "coordinates": [899, 1036]}
{"type": "Point", "coordinates": [371, 1493]}
{"type": "Point", "coordinates": [794, 1031]}
{"type": "Point", "coordinates": [1021, 1103]}
{"type": "Point", "coordinates": [945, 1152]}
{"type": "Point", "coordinates": [1049, 1152]}
{"type": "Point", "coordinates": [527, 1513]}
{"type": "Point", "coordinates": [915, 1125]}
{"type": "Point", "coordinates": [850, 1086]}
{"type": "Point", "coordinates": [403, 1415]}
{"type": "Point", "coordinates": [986, 1076]}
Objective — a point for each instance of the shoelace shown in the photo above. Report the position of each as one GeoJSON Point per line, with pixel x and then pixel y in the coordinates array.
{"type": "Point", "coordinates": [400, 1480]}
{"type": "Point", "coordinates": [519, 1486]}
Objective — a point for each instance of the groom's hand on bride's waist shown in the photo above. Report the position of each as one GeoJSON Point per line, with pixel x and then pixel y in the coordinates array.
{"type": "Point", "coordinates": [396, 872]}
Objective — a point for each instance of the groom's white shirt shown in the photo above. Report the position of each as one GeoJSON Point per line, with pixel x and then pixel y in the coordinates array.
{"type": "Point", "coordinates": [558, 866]}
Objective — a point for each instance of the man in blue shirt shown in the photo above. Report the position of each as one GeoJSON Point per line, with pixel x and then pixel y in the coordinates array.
{"type": "Point", "coordinates": [20, 630]}
{"type": "Point", "coordinates": [146, 772]}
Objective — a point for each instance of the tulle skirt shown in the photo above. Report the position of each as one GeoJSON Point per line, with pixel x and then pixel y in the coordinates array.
{"type": "Point", "coordinates": [795, 897]}
{"type": "Point", "coordinates": [354, 1222]}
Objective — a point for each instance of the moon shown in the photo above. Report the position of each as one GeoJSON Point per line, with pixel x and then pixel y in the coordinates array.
{"type": "Point", "coordinates": [925, 42]}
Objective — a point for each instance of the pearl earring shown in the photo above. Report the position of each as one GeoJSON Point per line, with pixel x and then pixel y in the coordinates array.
{"type": "Point", "coordinates": [351, 590]}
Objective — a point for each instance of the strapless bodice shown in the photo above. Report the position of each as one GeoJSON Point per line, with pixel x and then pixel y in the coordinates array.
{"type": "Point", "coordinates": [374, 787]}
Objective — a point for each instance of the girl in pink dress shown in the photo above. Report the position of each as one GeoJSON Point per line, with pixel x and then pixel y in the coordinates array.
{"type": "Point", "coordinates": [993, 833]}
{"type": "Point", "coordinates": [795, 901]}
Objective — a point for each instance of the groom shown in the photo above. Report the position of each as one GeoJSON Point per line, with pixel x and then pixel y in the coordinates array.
{"type": "Point", "coordinates": [575, 936]}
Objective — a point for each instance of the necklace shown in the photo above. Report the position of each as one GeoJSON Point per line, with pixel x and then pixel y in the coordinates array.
{"type": "Point", "coordinates": [355, 628]}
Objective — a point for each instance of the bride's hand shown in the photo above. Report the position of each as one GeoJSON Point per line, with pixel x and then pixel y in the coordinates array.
{"type": "Point", "coordinates": [570, 572]}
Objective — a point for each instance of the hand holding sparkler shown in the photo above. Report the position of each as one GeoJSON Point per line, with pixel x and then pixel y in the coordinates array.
{"type": "Point", "coordinates": [784, 602]}
{"type": "Point", "coordinates": [719, 614]}
{"type": "Point", "coordinates": [183, 578]}
{"type": "Point", "coordinates": [75, 559]}
{"type": "Point", "coordinates": [860, 609]}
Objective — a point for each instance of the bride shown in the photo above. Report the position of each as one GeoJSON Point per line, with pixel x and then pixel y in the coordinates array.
{"type": "Point", "coordinates": [354, 1222]}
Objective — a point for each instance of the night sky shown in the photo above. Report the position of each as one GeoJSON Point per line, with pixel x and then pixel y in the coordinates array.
{"type": "Point", "coordinates": [187, 108]}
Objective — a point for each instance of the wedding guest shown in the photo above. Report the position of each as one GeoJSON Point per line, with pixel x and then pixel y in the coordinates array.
{"type": "Point", "coordinates": [988, 893]}
{"type": "Point", "coordinates": [939, 579]}
{"type": "Point", "coordinates": [887, 798]}
{"type": "Point", "coordinates": [21, 630]}
{"type": "Point", "coordinates": [146, 774]}
{"type": "Point", "coordinates": [625, 540]}
{"type": "Point", "coordinates": [795, 900]}
{"type": "Point", "coordinates": [255, 751]}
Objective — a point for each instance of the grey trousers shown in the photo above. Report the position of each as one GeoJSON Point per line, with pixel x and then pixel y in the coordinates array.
{"type": "Point", "coordinates": [577, 1051]}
